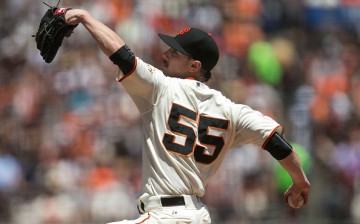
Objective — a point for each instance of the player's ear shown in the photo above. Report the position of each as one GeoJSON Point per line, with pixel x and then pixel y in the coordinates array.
{"type": "Point", "coordinates": [195, 66]}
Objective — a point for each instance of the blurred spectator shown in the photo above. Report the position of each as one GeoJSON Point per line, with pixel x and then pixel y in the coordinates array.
{"type": "Point", "coordinates": [10, 173]}
{"type": "Point", "coordinates": [10, 181]}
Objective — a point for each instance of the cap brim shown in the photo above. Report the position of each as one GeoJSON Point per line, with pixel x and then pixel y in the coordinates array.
{"type": "Point", "coordinates": [171, 42]}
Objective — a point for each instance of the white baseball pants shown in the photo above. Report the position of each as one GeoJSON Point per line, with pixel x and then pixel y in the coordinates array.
{"type": "Point", "coordinates": [183, 209]}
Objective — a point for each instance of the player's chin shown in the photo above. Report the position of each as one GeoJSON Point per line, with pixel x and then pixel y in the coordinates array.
{"type": "Point", "coordinates": [166, 73]}
{"type": "Point", "coordinates": [166, 70]}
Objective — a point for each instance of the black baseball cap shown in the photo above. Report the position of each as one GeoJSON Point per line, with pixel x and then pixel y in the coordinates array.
{"type": "Point", "coordinates": [195, 43]}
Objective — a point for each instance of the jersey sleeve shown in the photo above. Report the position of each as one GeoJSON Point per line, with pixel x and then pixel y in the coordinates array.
{"type": "Point", "coordinates": [144, 85]}
{"type": "Point", "coordinates": [253, 127]}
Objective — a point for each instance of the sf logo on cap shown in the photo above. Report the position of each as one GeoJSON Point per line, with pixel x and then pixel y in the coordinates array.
{"type": "Point", "coordinates": [187, 29]}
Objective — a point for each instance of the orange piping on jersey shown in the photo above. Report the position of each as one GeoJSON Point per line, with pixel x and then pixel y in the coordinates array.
{"type": "Point", "coordinates": [132, 71]}
{"type": "Point", "coordinates": [147, 218]}
{"type": "Point", "coordinates": [272, 133]}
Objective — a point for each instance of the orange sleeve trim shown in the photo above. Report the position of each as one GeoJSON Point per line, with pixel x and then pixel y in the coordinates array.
{"type": "Point", "coordinates": [147, 218]}
{"type": "Point", "coordinates": [271, 134]}
{"type": "Point", "coordinates": [131, 72]}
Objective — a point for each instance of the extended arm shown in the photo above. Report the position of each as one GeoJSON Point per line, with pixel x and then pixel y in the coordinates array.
{"type": "Point", "coordinates": [140, 83]}
{"type": "Point", "coordinates": [301, 185]}
{"type": "Point", "coordinates": [282, 151]}
{"type": "Point", "coordinates": [108, 41]}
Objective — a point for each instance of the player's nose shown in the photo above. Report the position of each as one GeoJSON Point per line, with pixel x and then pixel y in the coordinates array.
{"type": "Point", "coordinates": [165, 55]}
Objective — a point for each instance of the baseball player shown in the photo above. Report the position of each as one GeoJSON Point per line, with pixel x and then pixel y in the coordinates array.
{"type": "Point", "coordinates": [187, 127]}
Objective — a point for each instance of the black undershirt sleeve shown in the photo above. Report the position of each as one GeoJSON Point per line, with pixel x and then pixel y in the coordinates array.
{"type": "Point", "coordinates": [125, 59]}
{"type": "Point", "coordinates": [278, 147]}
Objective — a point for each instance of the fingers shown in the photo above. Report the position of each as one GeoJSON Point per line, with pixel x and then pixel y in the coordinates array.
{"type": "Point", "coordinates": [286, 196]}
{"type": "Point", "coordinates": [297, 198]}
{"type": "Point", "coordinates": [70, 17]}
{"type": "Point", "coordinates": [73, 16]}
{"type": "Point", "coordinates": [305, 196]}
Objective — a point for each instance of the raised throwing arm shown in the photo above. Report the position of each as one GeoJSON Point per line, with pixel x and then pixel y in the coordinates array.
{"type": "Point", "coordinates": [108, 41]}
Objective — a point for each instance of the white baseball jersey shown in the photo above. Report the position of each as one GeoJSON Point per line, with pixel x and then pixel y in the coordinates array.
{"type": "Point", "coordinates": [187, 129]}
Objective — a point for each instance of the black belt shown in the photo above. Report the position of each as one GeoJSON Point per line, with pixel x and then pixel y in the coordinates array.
{"type": "Point", "coordinates": [172, 201]}
{"type": "Point", "coordinates": [165, 202]}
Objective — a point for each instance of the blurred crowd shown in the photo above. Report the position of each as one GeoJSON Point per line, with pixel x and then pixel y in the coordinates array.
{"type": "Point", "coordinates": [69, 133]}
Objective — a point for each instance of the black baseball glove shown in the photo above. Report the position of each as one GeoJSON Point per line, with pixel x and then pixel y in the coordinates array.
{"type": "Point", "coordinates": [51, 32]}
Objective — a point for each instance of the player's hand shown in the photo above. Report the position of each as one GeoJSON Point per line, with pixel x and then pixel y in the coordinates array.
{"type": "Point", "coordinates": [298, 190]}
{"type": "Point", "coordinates": [75, 16]}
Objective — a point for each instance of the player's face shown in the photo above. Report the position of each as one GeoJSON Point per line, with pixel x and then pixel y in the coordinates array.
{"type": "Point", "coordinates": [176, 64]}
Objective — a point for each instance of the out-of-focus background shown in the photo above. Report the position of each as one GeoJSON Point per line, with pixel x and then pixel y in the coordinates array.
{"type": "Point", "coordinates": [69, 148]}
